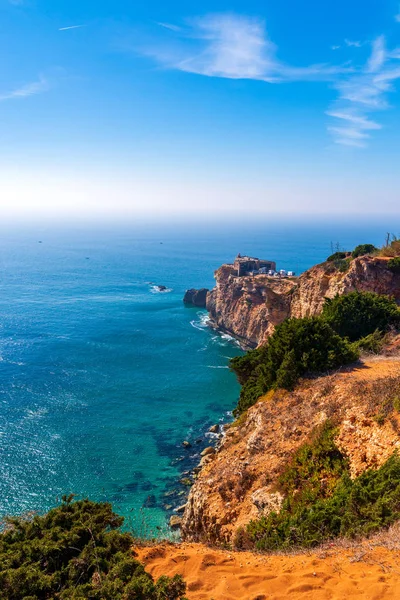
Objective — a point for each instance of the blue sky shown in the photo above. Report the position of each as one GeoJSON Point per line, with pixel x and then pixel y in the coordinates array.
{"type": "Point", "coordinates": [281, 107]}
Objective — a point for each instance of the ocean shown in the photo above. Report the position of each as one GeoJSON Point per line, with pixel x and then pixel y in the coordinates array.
{"type": "Point", "coordinates": [102, 376]}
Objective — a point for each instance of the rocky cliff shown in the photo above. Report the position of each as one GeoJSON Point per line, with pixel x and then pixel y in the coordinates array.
{"type": "Point", "coordinates": [239, 482]}
{"type": "Point", "coordinates": [250, 307]}
{"type": "Point", "coordinates": [196, 297]}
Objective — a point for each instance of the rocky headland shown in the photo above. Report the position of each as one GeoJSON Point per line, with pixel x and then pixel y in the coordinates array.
{"type": "Point", "coordinates": [239, 483]}
{"type": "Point", "coordinates": [196, 297]}
{"type": "Point", "coordinates": [249, 307]}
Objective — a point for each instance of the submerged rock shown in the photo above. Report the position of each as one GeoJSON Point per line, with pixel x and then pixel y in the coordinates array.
{"type": "Point", "coordinates": [186, 481]}
{"type": "Point", "coordinates": [175, 522]}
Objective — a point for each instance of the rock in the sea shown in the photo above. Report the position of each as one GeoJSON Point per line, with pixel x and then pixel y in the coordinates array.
{"type": "Point", "coordinates": [214, 429]}
{"type": "Point", "coordinates": [209, 450]}
{"type": "Point", "coordinates": [180, 509]}
{"type": "Point", "coordinates": [186, 444]}
{"type": "Point", "coordinates": [196, 297]}
{"type": "Point", "coordinates": [175, 522]}
{"type": "Point", "coordinates": [186, 481]}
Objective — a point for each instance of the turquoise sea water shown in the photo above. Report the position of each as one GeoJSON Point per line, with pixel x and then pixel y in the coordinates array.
{"type": "Point", "coordinates": [102, 377]}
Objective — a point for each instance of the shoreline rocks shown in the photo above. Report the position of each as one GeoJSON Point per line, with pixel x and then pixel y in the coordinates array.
{"type": "Point", "coordinates": [196, 297]}
{"type": "Point", "coordinates": [175, 522]}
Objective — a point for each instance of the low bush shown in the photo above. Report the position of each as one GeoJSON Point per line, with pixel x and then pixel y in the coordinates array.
{"type": "Point", "coordinates": [342, 265]}
{"type": "Point", "coordinates": [371, 344]}
{"type": "Point", "coordinates": [394, 264]}
{"type": "Point", "coordinates": [337, 256]}
{"type": "Point", "coordinates": [358, 314]}
{"type": "Point", "coordinates": [322, 501]}
{"type": "Point", "coordinates": [76, 551]}
{"type": "Point", "coordinates": [363, 249]}
{"type": "Point", "coordinates": [297, 347]}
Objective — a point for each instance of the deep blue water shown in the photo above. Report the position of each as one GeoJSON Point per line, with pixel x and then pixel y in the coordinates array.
{"type": "Point", "coordinates": [101, 377]}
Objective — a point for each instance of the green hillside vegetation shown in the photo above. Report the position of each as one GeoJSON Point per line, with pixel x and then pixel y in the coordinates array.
{"type": "Point", "coordinates": [349, 324]}
{"type": "Point", "coordinates": [297, 347]}
{"type": "Point", "coordinates": [358, 314]}
{"type": "Point", "coordinates": [322, 502]}
{"type": "Point", "coordinates": [337, 256]}
{"type": "Point", "coordinates": [364, 249]}
{"type": "Point", "coordinates": [75, 552]}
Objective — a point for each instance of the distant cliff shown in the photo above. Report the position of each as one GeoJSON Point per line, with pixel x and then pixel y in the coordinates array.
{"type": "Point", "coordinates": [250, 307]}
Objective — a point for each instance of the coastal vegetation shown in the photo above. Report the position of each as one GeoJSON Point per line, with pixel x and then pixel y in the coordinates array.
{"type": "Point", "coordinates": [341, 258]}
{"type": "Point", "coordinates": [297, 347]}
{"type": "Point", "coordinates": [364, 249]}
{"type": "Point", "coordinates": [76, 551]}
{"type": "Point", "coordinates": [359, 314]}
{"type": "Point", "coordinates": [394, 264]}
{"type": "Point", "coordinates": [322, 501]}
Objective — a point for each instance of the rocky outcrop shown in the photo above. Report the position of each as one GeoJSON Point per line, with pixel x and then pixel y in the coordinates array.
{"type": "Point", "coordinates": [196, 297]}
{"type": "Point", "coordinates": [365, 274]}
{"type": "Point", "coordinates": [250, 307]}
{"type": "Point", "coordinates": [239, 482]}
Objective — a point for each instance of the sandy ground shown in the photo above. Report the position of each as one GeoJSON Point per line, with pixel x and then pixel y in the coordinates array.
{"type": "Point", "coordinates": [332, 574]}
{"type": "Point", "coordinates": [375, 368]}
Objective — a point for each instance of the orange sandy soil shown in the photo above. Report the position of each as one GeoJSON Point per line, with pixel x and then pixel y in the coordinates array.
{"type": "Point", "coordinates": [370, 573]}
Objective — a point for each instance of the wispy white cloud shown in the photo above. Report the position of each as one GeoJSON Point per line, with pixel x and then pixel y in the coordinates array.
{"type": "Point", "coordinates": [335, 47]}
{"type": "Point", "coordinates": [362, 94]}
{"type": "Point", "coordinates": [30, 89]}
{"type": "Point", "coordinates": [233, 47]}
{"type": "Point", "coordinates": [353, 43]}
{"type": "Point", "coordinates": [378, 55]}
{"type": "Point", "coordinates": [170, 26]}
{"type": "Point", "coordinates": [71, 27]}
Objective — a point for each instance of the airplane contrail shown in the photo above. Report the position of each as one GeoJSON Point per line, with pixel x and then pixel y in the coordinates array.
{"type": "Point", "coordinates": [71, 27]}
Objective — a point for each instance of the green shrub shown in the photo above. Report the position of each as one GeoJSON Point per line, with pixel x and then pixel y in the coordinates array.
{"type": "Point", "coordinates": [358, 314]}
{"type": "Point", "coordinates": [337, 256]}
{"type": "Point", "coordinates": [322, 501]}
{"type": "Point", "coordinates": [371, 344]}
{"type": "Point", "coordinates": [363, 249]}
{"type": "Point", "coordinates": [297, 347]}
{"type": "Point", "coordinates": [394, 264]}
{"type": "Point", "coordinates": [342, 265]}
{"type": "Point", "coordinates": [315, 468]}
{"type": "Point", "coordinates": [76, 551]}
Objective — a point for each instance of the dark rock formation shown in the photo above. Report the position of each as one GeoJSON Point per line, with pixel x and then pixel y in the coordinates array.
{"type": "Point", "coordinates": [196, 297]}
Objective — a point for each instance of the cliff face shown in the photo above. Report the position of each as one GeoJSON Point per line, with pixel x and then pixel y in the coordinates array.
{"type": "Point", "coordinates": [239, 482]}
{"type": "Point", "coordinates": [250, 307]}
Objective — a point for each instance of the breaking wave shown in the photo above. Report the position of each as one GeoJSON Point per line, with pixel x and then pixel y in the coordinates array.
{"type": "Point", "coordinates": [156, 289]}
{"type": "Point", "coordinates": [202, 322]}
